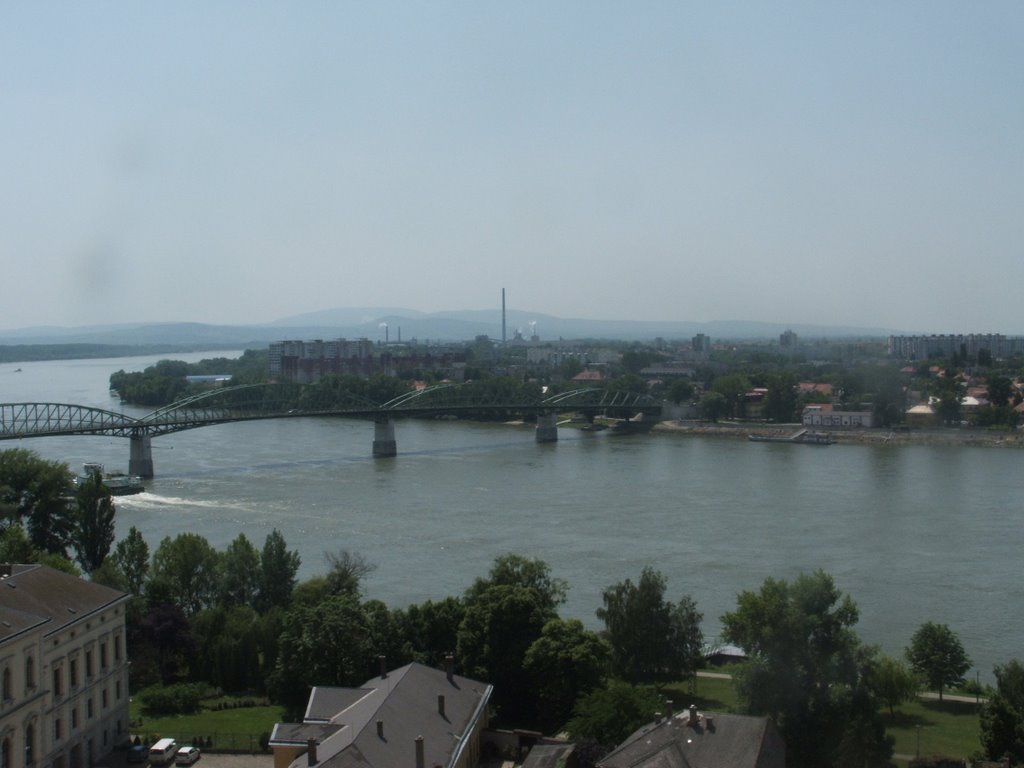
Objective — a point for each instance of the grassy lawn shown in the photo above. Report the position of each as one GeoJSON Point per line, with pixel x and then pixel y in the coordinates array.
{"type": "Point", "coordinates": [229, 728]}
{"type": "Point", "coordinates": [946, 728]}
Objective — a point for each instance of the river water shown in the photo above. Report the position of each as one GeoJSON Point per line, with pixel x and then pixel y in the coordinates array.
{"type": "Point", "coordinates": [913, 533]}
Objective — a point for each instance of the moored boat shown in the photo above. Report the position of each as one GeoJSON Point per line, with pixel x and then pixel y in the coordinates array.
{"type": "Point", "coordinates": [803, 437]}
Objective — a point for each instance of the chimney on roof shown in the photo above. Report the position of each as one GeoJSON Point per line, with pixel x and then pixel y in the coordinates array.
{"type": "Point", "coordinates": [440, 704]}
{"type": "Point", "coordinates": [694, 717]}
{"type": "Point", "coordinates": [380, 729]}
{"type": "Point", "coordinates": [383, 666]}
{"type": "Point", "coordinates": [311, 752]}
{"type": "Point", "coordinates": [419, 752]}
{"type": "Point", "coordinates": [449, 666]}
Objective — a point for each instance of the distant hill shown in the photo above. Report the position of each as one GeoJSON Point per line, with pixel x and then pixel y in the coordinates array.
{"type": "Point", "coordinates": [408, 324]}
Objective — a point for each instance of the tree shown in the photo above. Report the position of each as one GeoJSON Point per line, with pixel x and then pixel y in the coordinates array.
{"type": "Point", "coordinates": [1002, 717]}
{"type": "Point", "coordinates": [500, 625]}
{"type": "Point", "coordinates": [733, 388]}
{"type": "Point", "coordinates": [936, 654]}
{"type": "Point", "coordinates": [227, 647]}
{"type": "Point", "coordinates": [278, 568]}
{"type": "Point", "coordinates": [1000, 390]}
{"type": "Point", "coordinates": [807, 669]}
{"type": "Point", "coordinates": [35, 489]}
{"type": "Point", "coordinates": [518, 571]}
{"type": "Point", "coordinates": [132, 556]}
{"type": "Point", "coordinates": [712, 406]}
{"type": "Point", "coordinates": [893, 682]}
{"type": "Point", "coordinates": [680, 390]}
{"type": "Point", "coordinates": [323, 644]}
{"type": "Point", "coordinates": [93, 532]}
{"type": "Point", "coordinates": [651, 638]}
{"type": "Point", "coordinates": [431, 629]}
{"type": "Point", "coordinates": [239, 573]}
{"type": "Point", "coordinates": [565, 662]}
{"type": "Point", "coordinates": [609, 715]}
{"type": "Point", "coordinates": [186, 568]}
{"type": "Point", "coordinates": [346, 572]}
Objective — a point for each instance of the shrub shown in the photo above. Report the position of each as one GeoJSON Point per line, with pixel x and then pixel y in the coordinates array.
{"type": "Point", "coordinates": [177, 699]}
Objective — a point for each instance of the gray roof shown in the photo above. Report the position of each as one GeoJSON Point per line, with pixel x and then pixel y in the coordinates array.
{"type": "Point", "coordinates": [405, 702]}
{"type": "Point", "coordinates": [717, 741]}
{"type": "Point", "coordinates": [33, 595]}
{"type": "Point", "coordinates": [547, 755]}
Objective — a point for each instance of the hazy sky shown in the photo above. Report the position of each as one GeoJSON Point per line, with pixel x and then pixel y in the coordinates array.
{"type": "Point", "coordinates": [821, 162]}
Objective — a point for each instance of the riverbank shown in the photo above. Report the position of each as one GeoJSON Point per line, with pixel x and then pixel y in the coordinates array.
{"type": "Point", "coordinates": [937, 436]}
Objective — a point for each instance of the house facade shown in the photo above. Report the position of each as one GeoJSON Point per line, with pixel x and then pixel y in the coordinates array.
{"type": "Point", "coordinates": [63, 669]}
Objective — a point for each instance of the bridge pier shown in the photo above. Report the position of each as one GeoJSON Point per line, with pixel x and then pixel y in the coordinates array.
{"type": "Point", "coordinates": [384, 445]}
{"type": "Point", "coordinates": [140, 461]}
{"type": "Point", "coordinates": [547, 428]}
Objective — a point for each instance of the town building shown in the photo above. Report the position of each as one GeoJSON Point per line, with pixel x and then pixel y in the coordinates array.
{"type": "Point", "coordinates": [306, 362]}
{"type": "Point", "coordinates": [824, 415]}
{"type": "Point", "coordinates": [63, 669]}
{"type": "Point", "coordinates": [946, 345]}
{"type": "Point", "coordinates": [692, 738]}
{"type": "Point", "coordinates": [415, 716]}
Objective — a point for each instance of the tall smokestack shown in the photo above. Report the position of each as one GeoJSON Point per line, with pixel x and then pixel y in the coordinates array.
{"type": "Point", "coordinates": [502, 315]}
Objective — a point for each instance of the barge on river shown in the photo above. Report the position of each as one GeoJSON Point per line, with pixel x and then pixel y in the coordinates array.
{"type": "Point", "coordinates": [803, 437]}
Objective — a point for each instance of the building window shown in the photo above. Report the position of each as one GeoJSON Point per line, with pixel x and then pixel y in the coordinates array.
{"type": "Point", "coordinates": [30, 743]}
{"type": "Point", "coordinates": [74, 718]}
{"type": "Point", "coordinates": [5, 754]}
{"type": "Point", "coordinates": [6, 685]}
{"type": "Point", "coordinates": [73, 673]}
{"type": "Point", "coordinates": [56, 729]}
{"type": "Point", "coordinates": [30, 673]}
{"type": "Point", "coordinates": [103, 655]}
{"type": "Point", "coordinates": [103, 698]}
{"type": "Point", "coordinates": [88, 664]}
{"type": "Point", "coordinates": [58, 683]}
{"type": "Point", "coordinates": [117, 690]}
{"type": "Point", "coordinates": [88, 708]}
{"type": "Point", "coordinates": [117, 647]}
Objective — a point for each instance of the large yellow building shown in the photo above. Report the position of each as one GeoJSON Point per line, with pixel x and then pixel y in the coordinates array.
{"type": "Point", "coordinates": [63, 669]}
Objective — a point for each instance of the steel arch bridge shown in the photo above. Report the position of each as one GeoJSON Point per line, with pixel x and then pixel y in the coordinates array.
{"type": "Point", "coordinates": [250, 402]}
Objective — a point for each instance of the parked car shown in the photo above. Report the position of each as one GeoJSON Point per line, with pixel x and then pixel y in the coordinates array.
{"type": "Point", "coordinates": [163, 752]}
{"type": "Point", "coordinates": [186, 755]}
{"type": "Point", "coordinates": [138, 753]}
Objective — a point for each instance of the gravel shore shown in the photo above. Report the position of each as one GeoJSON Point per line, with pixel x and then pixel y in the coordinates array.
{"type": "Point", "coordinates": [938, 436]}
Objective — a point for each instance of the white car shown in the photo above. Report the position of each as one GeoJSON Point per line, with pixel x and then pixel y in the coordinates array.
{"type": "Point", "coordinates": [186, 755]}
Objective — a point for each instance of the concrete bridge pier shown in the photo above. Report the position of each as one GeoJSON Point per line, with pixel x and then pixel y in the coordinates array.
{"type": "Point", "coordinates": [384, 445]}
{"type": "Point", "coordinates": [547, 427]}
{"type": "Point", "coordinates": [140, 461]}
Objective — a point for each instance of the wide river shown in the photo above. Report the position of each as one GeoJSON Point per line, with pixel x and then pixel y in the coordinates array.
{"type": "Point", "coordinates": [912, 533]}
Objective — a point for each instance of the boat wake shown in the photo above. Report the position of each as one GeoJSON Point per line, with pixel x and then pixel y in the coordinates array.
{"type": "Point", "coordinates": [154, 501]}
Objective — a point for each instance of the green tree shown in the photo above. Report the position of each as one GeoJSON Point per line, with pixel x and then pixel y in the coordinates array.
{"type": "Point", "coordinates": [712, 406]}
{"type": "Point", "coordinates": [93, 532]}
{"type": "Point", "coordinates": [1002, 717]}
{"type": "Point", "coordinates": [936, 654]}
{"type": "Point", "coordinates": [807, 669]}
{"type": "Point", "coordinates": [517, 571]}
{"type": "Point", "coordinates": [500, 625]}
{"type": "Point", "coordinates": [239, 572]}
{"type": "Point", "coordinates": [34, 490]}
{"type": "Point", "coordinates": [323, 644]}
{"type": "Point", "coordinates": [187, 568]}
{"type": "Point", "coordinates": [278, 567]}
{"type": "Point", "coordinates": [651, 638]}
{"type": "Point", "coordinates": [132, 556]}
{"type": "Point", "coordinates": [1000, 390]}
{"type": "Point", "coordinates": [893, 682]}
{"type": "Point", "coordinates": [781, 401]}
{"type": "Point", "coordinates": [733, 388]}
{"type": "Point", "coordinates": [431, 629]}
{"type": "Point", "coordinates": [15, 545]}
{"type": "Point", "coordinates": [609, 715]}
{"type": "Point", "coordinates": [680, 390]}
{"type": "Point", "coordinates": [227, 647]}
{"type": "Point", "coordinates": [565, 662]}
